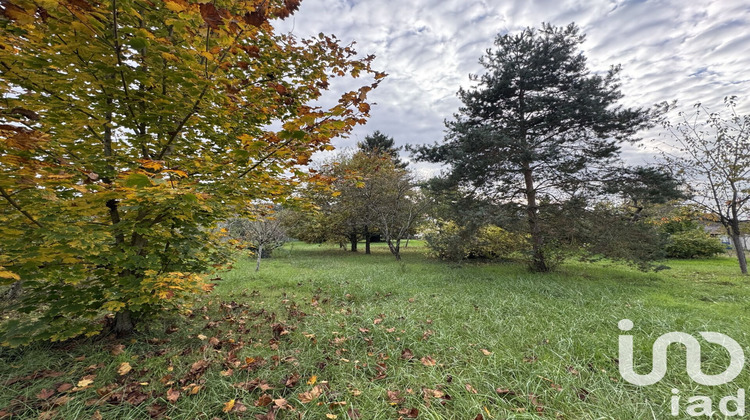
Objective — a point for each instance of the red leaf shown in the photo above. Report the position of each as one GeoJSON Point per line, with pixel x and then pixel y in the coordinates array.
{"type": "Point", "coordinates": [211, 16]}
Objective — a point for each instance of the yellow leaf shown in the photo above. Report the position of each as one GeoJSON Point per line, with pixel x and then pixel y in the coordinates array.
{"type": "Point", "coordinates": [312, 380]}
{"type": "Point", "coordinates": [176, 5]}
{"type": "Point", "coordinates": [124, 368]}
{"type": "Point", "coordinates": [168, 56]}
{"type": "Point", "coordinates": [83, 383]}
{"type": "Point", "coordinates": [331, 416]}
{"type": "Point", "coordinates": [5, 274]}
{"type": "Point", "coordinates": [336, 193]}
{"type": "Point", "coordinates": [228, 406]}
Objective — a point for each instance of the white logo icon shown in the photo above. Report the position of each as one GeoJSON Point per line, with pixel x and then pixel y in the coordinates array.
{"type": "Point", "coordinates": [693, 349]}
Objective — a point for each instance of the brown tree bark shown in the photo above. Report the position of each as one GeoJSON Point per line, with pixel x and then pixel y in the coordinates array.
{"type": "Point", "coordinates": [538, 261]}
{"type": "Point", "coordinates": [367, 239]}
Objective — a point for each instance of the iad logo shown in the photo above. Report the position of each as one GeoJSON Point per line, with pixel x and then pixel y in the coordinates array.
{"type": "Point", "coordinates": [701, 405]}
{"type": "Point", "coordinates": [693, 365]}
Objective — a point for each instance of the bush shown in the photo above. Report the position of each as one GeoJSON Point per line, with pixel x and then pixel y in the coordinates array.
{"type": "Point", "coordinates": [694, 243]}
{"type": "Point", "coordinates": [496, 242]}
{"type": "Point", "coordinates": [448, 241]}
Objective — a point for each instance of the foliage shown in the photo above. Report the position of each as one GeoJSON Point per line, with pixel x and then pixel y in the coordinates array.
{"type": "Point", "coordinates": [693, 243]}
{"type": "Point", "coordinates": [448, 241]}
{"type": "Point", "coordinates": [128, 129]}
{"type": "Point", "coordinates": [367, 193]}
{"type": "Point", "coordinates": [538, 126]}
{"type": "Point", "coordinates": [713, 152]}
{"type": "Point", "coordinates": [379, 143]}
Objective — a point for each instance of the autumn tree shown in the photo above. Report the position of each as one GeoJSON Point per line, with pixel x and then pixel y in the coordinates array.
{"type": "Point", "coordinates": [538, 126]}
{"type": "Point", "coordinates": [129, 128]}
{"type": "Point", "coordinates": [367, 192]}
{"type": "Point", "coordinates": [713, 151]}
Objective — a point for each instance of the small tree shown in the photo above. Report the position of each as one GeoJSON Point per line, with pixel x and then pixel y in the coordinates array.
{"type": "Point", "coordinates": [264, 233]}
{"type": "Point", "coordinates": [397, 207]}
{"type": "Point", "coordinates": [714, 152]}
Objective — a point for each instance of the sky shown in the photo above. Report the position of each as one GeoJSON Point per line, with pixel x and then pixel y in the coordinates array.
{"type": "Point", "coordinates": [689, 51]}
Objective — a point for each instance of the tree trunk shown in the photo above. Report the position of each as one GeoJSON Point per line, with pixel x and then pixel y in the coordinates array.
{"type": "Point", "coordinates": [406, 245]}
{"type": "Point", "coordinates": [367, 240]}
{"type": "Point", "coordinates": [739, 246]}
{"type": "Point", "coordinates": [353, 241]}
{"type": "Point", "coordinates": [123, 323]}
{"type": "Point", "coordinates": [538, 261]}
{"type": "Point", "coordinates": [260, 255]}
{"type": "Point", "coordinates": [395, 249]}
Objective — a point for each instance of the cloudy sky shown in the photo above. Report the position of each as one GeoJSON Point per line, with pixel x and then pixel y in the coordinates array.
{"type": "Point", "coordinates": [669, 49]}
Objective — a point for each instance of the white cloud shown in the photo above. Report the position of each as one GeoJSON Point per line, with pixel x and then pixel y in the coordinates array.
{"type": "Point", "coordinates": [669, 49]}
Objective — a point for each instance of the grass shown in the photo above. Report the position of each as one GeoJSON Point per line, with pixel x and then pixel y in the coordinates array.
{"type": "Point", "coordinates": [380, 339]}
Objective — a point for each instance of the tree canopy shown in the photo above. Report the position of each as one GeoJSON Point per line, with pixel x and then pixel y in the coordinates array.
{"type": "Point", "coordinates": [538, 126]}
{"type": "Point", "coordinates": [129, 128]}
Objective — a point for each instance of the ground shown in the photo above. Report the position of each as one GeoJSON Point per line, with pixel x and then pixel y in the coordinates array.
{"type": "Point", "coordinates": [323, 333]}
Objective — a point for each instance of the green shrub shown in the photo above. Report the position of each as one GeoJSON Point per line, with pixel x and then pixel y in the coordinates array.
{"type": "Point", "coordinates": [449, 241]}
{"type": "Point", "coordinates": [495, 242]}
{"type": "Point", "coordinates": [694, 243]}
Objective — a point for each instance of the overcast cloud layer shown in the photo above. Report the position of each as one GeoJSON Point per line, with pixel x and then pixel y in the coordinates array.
{"type": "Point", "coordinates": [684, 50]}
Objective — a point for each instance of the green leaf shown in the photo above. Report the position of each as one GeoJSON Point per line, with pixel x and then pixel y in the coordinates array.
{"type": "Point", "coordinates": [137, 181]}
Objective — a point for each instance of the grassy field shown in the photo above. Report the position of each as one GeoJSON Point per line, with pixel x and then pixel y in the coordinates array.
{"type": "Point", "coordinates": [322, 333]}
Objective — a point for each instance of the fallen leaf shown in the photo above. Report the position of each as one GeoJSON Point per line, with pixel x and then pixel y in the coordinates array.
{"type": "Point", "coordinates": [45, 393]}
{"type": "Point", "coordinates": [83, 383]}
{"type": "Point", "coordinates": [407, 354]}
{"type": "Point", "coordinates": [124, 368]}
{"type": "Point", "coordinates": [331, 416]}
{"type": "Point", "coordinates": [264, 401]}
{"type": "Point", "coordinates": [583, 394]}
{"type": "Point", "coordinates": [312, 380]}
{"type": "Point", "coordinates": [377, 321]}
{"type": "Point", "coordinates": [504, 391]}
{"type": "Point", "coordinates": [64, 387]}
{"type": "Point", "coordinates": [281, 403]}
{"type": "Point", "coordinates": [428, 361]}
{"type": "Point", "coordinates": [486, 353]}
{"type": "Point", "coordinates": [535, 402]}
{"type": "Point", "coordinates": [194, 390]}
{"type": "Point", "coordinates": [395, 397]}
{"type": "Point", "coordinates": [173, 395]}
{"type": "Point", "coordinates": [410, 413]}
{"type": "Point", "coordinates": [228, 406]}
{"type": "Point", "coordinates": [118, 350]}
{"type": "Point", "coordinates": [470, 389]}
{"type": "Point", "coordinates": [227, 372]}
{"type": "Point", "coordinates": [310, 395]}
{"type": "Point", "coordinates": [61, 401]}
{"type": "Point", "coordinates": [353, 413]}
{"type": "Point", "coordinates": [239, 407]}
{"type": "Point", "coordinates": [291, 381]}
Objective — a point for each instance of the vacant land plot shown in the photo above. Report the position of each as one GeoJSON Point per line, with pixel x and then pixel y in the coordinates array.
{"type": "Point", "coordinates": [322, 333]}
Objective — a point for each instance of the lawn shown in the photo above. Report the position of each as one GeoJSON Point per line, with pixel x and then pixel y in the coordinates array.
{"type": "Point", "coordinates": [322, 333]}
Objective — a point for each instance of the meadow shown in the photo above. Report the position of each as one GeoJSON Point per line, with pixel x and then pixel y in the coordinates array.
{"type": "Point", "coordinates": [322, 333]}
